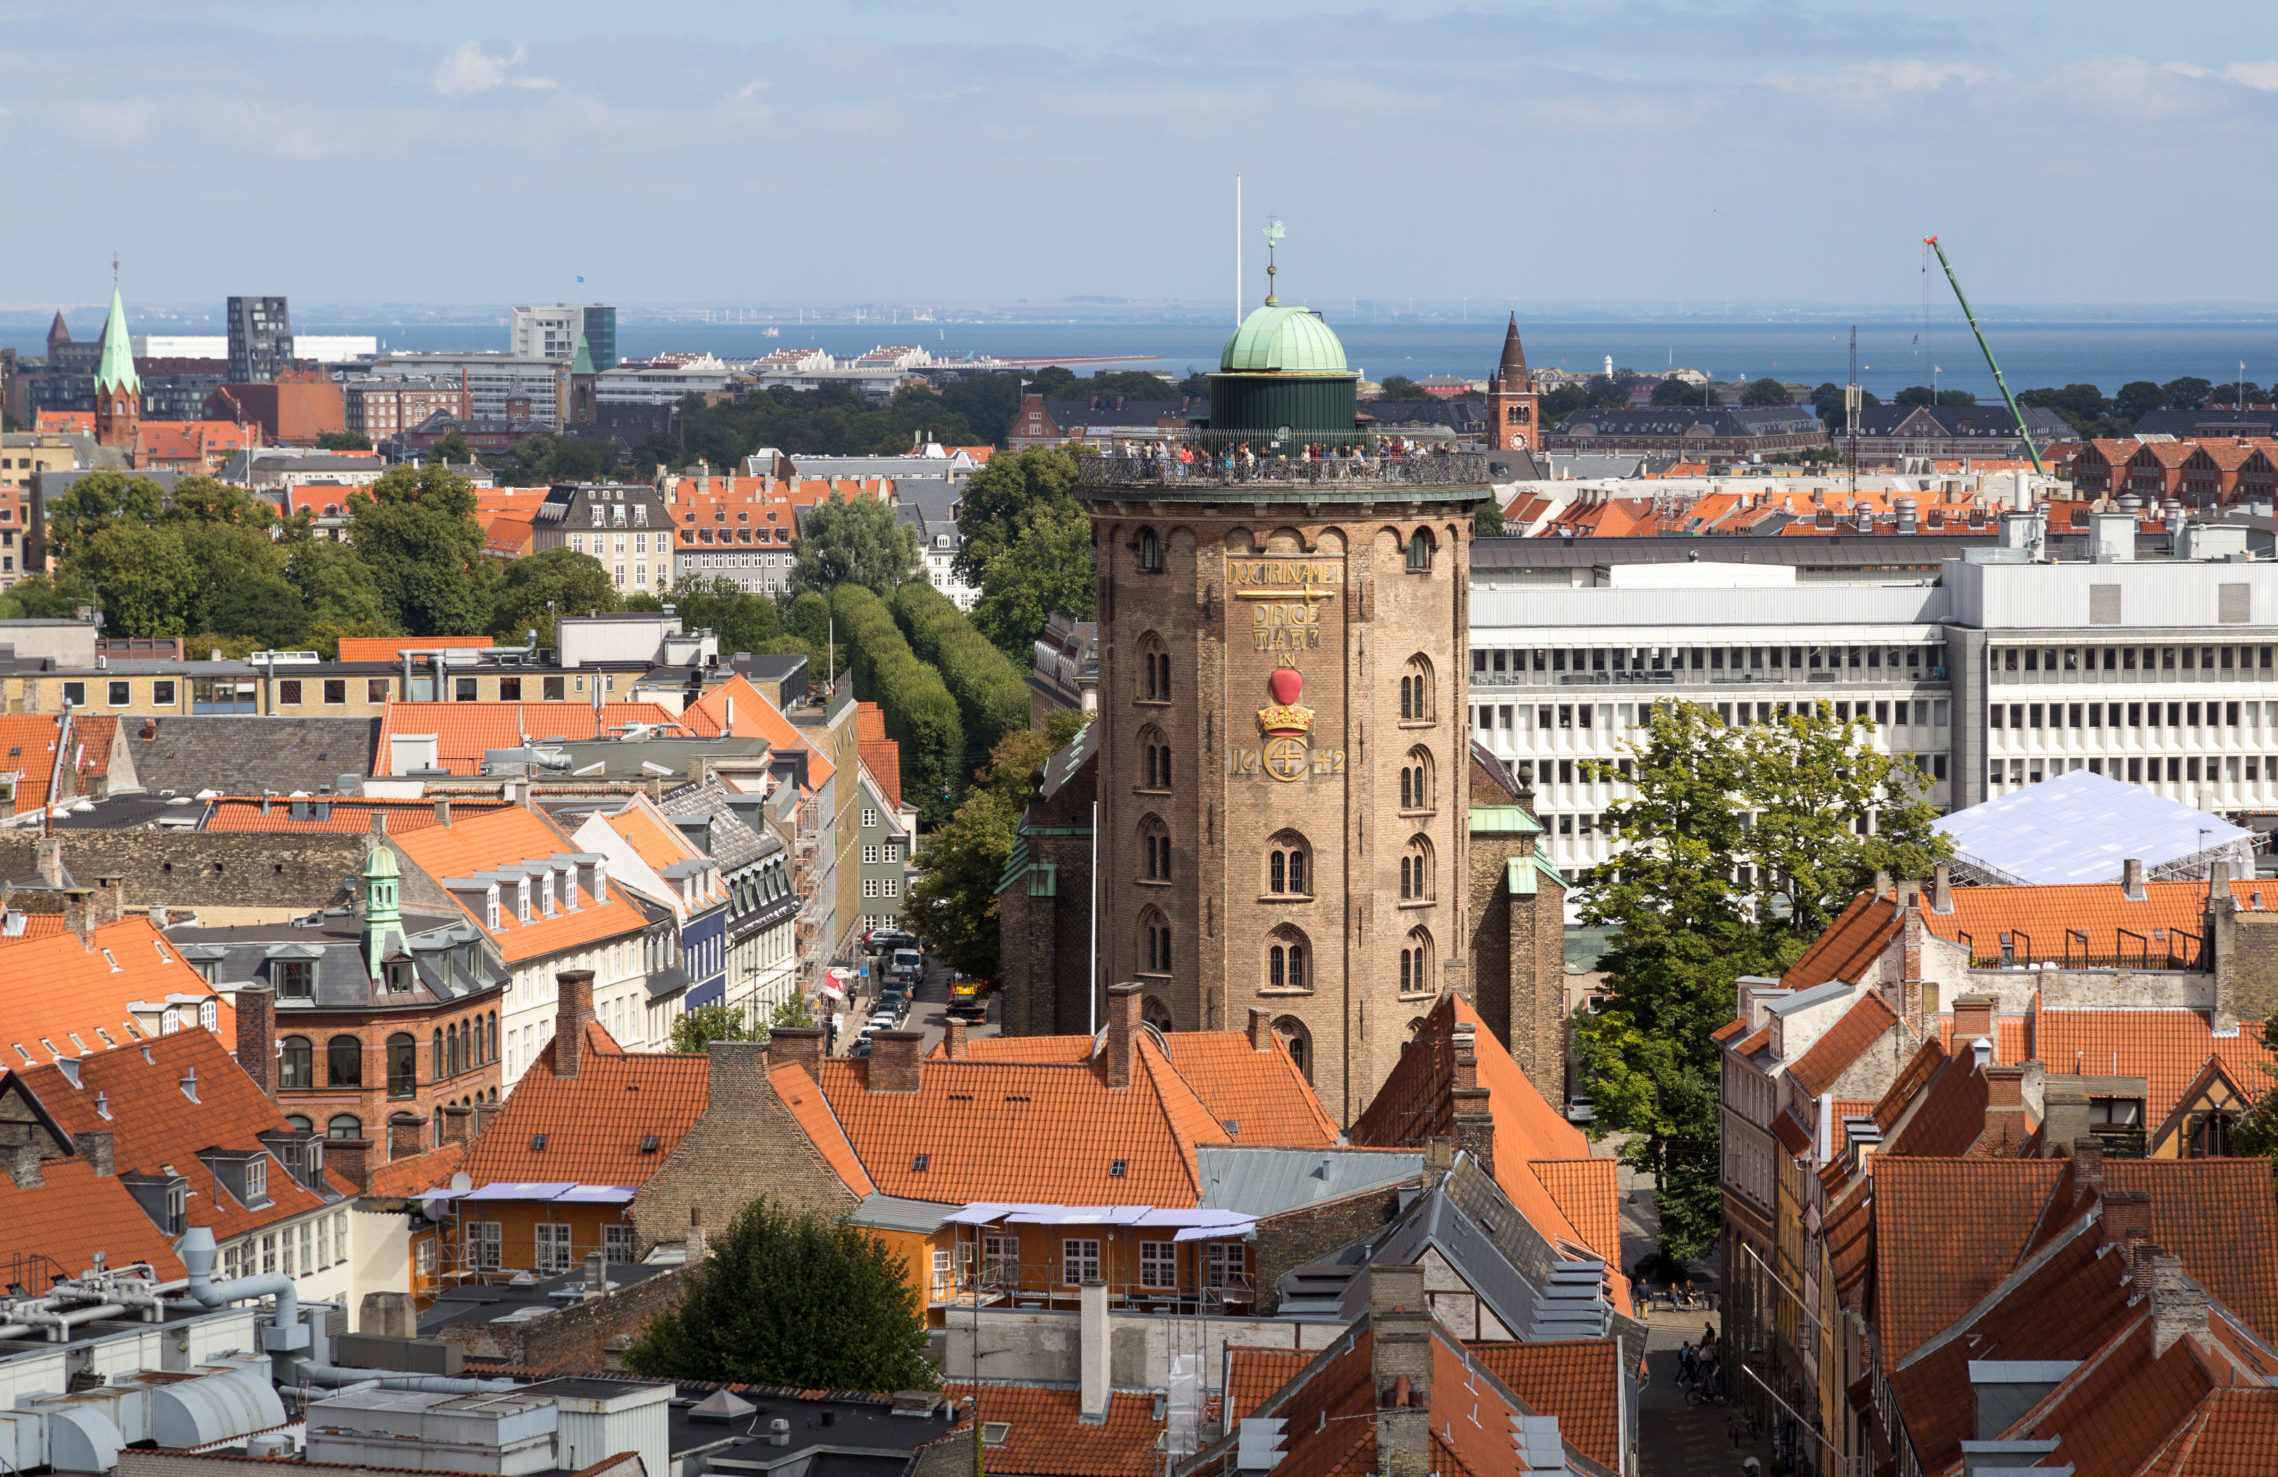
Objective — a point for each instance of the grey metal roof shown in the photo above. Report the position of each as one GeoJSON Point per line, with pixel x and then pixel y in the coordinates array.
{"type": "Point", "coordinates": [2081, 827]}
{"type": "Point", "coordinates": [245, 754]}
{"type": "Point", "coordinates": [724, 836]}
{"type": "Point", "coordinates": [1727, 421]}
{"type": "Point", "coordinates": [1960, 422]}
{"type": "Point", "coordinates": [1818, 994]}
{"type": "Point", "coordinates": [893, 1213]}
{"type": "Point", "coordinates": [1831, 550]}
{"type": "Point", "coordinates": [441, 949]}
{"type": "Point", "coordinates": [1069, 758]}
{"type": "Point", "coordinates": [1268, 1181]}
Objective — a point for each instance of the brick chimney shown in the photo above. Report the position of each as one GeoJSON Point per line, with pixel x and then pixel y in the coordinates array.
{"type": "Point", "coordinates": [457, 1123]}
{"type": "Point", "coordinates": [108, 905]}
{"type": "Point", "coordinates": [407, 1135]}
{"type": "Point", "coordinates": [50, 863]}
{"type": "Point", "coordinates": [1973, 1017]}
{"type": "Point", "coordinates": [695, 1247]}
{"type": "Point", "coordinates": [573, 1008]}
{"type": "Point", "coordinates": [257, 1036]}
{"type": "Point", "coordinates": [98, 1152]}
{"type": "Point", "coordinates": [2064, 1115]}
{"type": "Point", "coordinates": [895, 1063]}
{"type": "Point", "coordinates": [2178, 1305]}
{"type": "Point", "coordinates": [1942, 888]}
{"type": "Point", "coordinates": [797, 1046]}
{"type": "Point", "coordinates": [2088, 1162]}
{"type": "Point", "coordinates": [23, 1164]}
{"type": "Point", "coordinates": [1466, 1056]}
{"type": "Point", "coordinates": [2127, 1217]}
{"type": "Point", "coordinates": [1122, 1027]}
{"type": "Point", "coordinates": [1261, 1030]}
{"type": "Point", "coordinates": [1400, 1367]}
{"type": "Point", "coordinates": [443, 811]}
{"type": "Point", "coordinates": [2132, 879]}
{"type": "Point", "coordinates": [350, 1159]}
{"type": "Point", "coordinates": [953, 1039]}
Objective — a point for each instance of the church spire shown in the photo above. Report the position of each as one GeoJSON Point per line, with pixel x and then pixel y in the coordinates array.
{"type": "Point", "coordinates": [1514, 366]}
{"type": "Point", "coordinates": [115, 371]}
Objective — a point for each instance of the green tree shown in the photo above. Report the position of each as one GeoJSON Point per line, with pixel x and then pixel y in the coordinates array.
{"type": "Point", "coordinates": [452, 449]}
{"type": "Point", "coordinates": [50, 597]}
{"type": "Point", "coordinates": [953, 901]}
{"type": "Point", "coordinates": [742, 620]}
{"type": "Point", "coordinates": [2187, 393]}
{"type": "Point", "coordinates": [269, 611]}
{"type": "Point", "coordinates": [693, 1030]}
{"type": "Point", "coordinates": [343, 441]}
{"type": "Point", "coordinates": [1924, 395]}
{"type": "Point", "coordinates": [144, 577]}
{"type": "Point", "coordinates": [859, 540]}
{"type": "Point", "coordinates": [2137, 399]}
{"type": "Point", "coordinates": [792, 1014]}
{"type": "Point", "coordinates": [808, 617]}
{"type": "Point", "coordinates": [335, 585]}
{"type": "Point", "coordinates": [98, 501]}
{"type": "Point", "coordinates": [1002, 499]}
{"type": "Point", "coordinates": [1765, 392]}
{"type": "Point", "coordinates": [792, 1301]}
{"type": "Point", "coordinates": [1047, 568]}
{"type": "Point", "coordinates": [2083, 407]}
{"type": "Point", "coordinates": [1739, 846]}
{"type": "Point", "coordinates": [415, 530]}
{"type": "Point", "coordinates": [538, 588]}
{"type": "Point", "coordinates": [2236, 392]}
{"type": "Point", "coordinates": [1399, 387]}
{"type": "Point", "coordinates": [1487, 521]}
{"type": "Point", "coordinates": [991, 690]}
{"type": "Point", "coordinates": [920, 714]}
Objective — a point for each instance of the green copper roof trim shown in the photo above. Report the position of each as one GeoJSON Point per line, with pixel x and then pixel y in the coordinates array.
{"type": "Point", "coordinates": [1519, 876]}
{"type": "Point", "coordinates": [1283, 340]}
{"type": "Point", "coordinates": [116, 370]}
{"type": "Point", "coordinates": [1016, 865]}
{"type": "Point", "coordinates": [1506, 820]}
{"type": "Point", "coordinates": [1543, 864]}
{"type": "Point", "coordinates": [583, 363]}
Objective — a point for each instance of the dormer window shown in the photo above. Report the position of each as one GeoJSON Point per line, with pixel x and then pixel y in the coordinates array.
{"type": "Point", "coordinates": [399, 976]}
{"type": "Point", "coordinates": [295, 978]}
{"type": "Point", "coordinates": [257, 1180]}
{"type": "Point", "coordinates": [522, 900]}
{"type": "Point", "coordinates": [490, 910]}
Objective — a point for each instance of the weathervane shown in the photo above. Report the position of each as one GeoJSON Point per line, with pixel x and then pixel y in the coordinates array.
{"type": "Point", "coordinates": [1274, 233]}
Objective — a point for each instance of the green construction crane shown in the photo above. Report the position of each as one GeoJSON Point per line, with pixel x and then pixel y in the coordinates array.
{"type": "Point", "coordinates": [1987, 350]}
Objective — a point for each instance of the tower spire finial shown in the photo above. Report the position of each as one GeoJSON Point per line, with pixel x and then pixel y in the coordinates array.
{"type": "Point", "coordinates": [1274, 232]}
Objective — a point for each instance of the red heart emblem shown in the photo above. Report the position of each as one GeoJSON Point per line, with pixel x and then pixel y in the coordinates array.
{"type": "Point", "coordinates": [1285, 684]}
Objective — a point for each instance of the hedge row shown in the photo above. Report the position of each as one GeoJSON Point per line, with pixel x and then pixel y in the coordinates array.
{"type": "Point", "coordinates": [921, 716]}
{"type": "Point", "coordinates": [991, 693]}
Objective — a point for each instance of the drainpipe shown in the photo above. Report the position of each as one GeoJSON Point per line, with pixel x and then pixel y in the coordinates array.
{"type": "Point", "coordinates": [197, 1251]}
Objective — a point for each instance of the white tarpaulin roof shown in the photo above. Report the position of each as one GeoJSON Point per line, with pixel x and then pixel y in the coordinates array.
{"type": "Point", "coordinates": [2081, 827]}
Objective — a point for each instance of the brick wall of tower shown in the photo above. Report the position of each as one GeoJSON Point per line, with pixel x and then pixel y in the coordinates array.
{"type": "Point", "coordinates": [1351, 647]}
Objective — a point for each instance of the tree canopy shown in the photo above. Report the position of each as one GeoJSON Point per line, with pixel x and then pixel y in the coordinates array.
{"type": "Point", "coordinates": [953, 902]}
{"type": "Point", "coordinates": [538, 588]}
{"type": "Point", "coordinates": [1672, 391]}
{"type": "Point", "coordinates": [792, 1301]}
{"type": "Point", "coordinates": [1921, 395]}
{"type": "Point", "coordinates": [1740, 845]}
{"type": "Point", "coordinates": [1766, 393]}
{"type": "Point", "coordinates": [1398, 387]}
{"type": "Point", "coordinates": [416, 532]}
{"type": "Point", "coordinates": [694, 1030]}
{"type": "Point", "coordinates": [857, 540]}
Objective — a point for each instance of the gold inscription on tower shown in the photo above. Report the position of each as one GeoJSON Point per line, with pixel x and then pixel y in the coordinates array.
{"type": "Point", "coordinates": [1285, 627]}
{"type": "Point", "coordinates": [1286, 576]}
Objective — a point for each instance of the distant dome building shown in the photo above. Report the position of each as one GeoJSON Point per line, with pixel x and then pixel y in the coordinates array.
{"type": "Point", "coordinates": [1288, 835]}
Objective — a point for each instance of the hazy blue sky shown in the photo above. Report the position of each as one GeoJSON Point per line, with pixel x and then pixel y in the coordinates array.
{"type": "Point", "coordinates": [2067, 150]}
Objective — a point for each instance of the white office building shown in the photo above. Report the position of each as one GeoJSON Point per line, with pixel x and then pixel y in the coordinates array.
{"type": "Point", "coordinates": [499, 386]}
{"type": "Point", "coordinates": [2002, 669]}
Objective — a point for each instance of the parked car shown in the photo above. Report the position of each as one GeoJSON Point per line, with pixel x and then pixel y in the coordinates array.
{"type": "Point", "coordinates": [906, 964]}
{"type": "Point", "coordinates": [861, 1047]}
{"type": "Point", "coordinates": [882, 939]}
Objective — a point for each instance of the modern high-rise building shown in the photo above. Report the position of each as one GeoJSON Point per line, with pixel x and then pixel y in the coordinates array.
{"type": "Point", "coordinates": [260, 339]}
{"type": "Point", "coordinates": [545, 332]}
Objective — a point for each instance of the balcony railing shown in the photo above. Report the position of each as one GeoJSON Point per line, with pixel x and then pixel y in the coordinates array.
{"type": "Point", "coordinates": [2166, 949]}
{"type": "Point", "coordinates": [1207, 459]}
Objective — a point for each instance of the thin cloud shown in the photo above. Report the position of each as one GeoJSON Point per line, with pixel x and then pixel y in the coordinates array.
{"type": "Point", "coordinates": [470, 70]}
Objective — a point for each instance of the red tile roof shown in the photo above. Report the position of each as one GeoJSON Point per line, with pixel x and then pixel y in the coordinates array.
{"type": "Point", "coordinates": [1947, 1231]}
{"type": "Point", "coordinates": [1045, 1133]}
{"type": "Point", "coordinates": [1045, 1435]}
{"type": "Point", "coordinates": [2221, 1217]}
{"type": "Point", "coordinates": [416, 1172]}
{"type": "Point", "coordinates": [754, 714]}
{"type": "Point", "coordinates": [346, 816]}
{"type": "Point", "coordinates": [1576, 1380]}
{"type": "Point", "coordinates": [1253, 1375]}
{"type": "Point", "coordinates": [2167, 1048]}
{"type": "Point", "coordinates": [503, 838]}
{"type": "Point", "coordinates": [73, 1216]}
{"type": "Point", "coordinates": [880, 754]}
{"type": "Point", "coordinates": [804, 1101]}
{"type": "Point", "coordinates": [63, 998]}
{"type": "Point", "coordinates": [154, 1121]}
{"type": "Point", "coordinates": [465, 731]}
{"type": "Point", "coordinates": [2115, 1413]}
{"type": "Point", "coordinates": [391, 648]}
{"type": "Point", "coordinates": [1843, 1043]}
{"type": "Point", "coordinates": [1848, 945]}
{"type": "Point", "coordinates": [2231, 1434]}
{"type": "Point", "coordinates": [594, 1124]}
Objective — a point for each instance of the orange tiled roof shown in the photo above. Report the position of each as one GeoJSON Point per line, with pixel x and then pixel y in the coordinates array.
{"type": "Point", "coordinates": [1252, 1375]}
{"type": "Point", "coordinates": [416, 1172]}
{"type": "Point", "coordinates": [350, 814]}
{"type": "Point", "coordinates": [2167, 1048]}
{"type": "Point", "coordinates": [593, 1125]}
{"type": "Point", "coordinates": [62, 998]}
{"type": "Point", "coordinates": [509, 536]}
{"type": "Point", "coordinates": [1576, 1380]}
{"type": "Point", "coordinates": [1947, 1231]}
{"type": "Point", "coordinates": [155, 1122]}
{"type": "Point", "coordinates": [660, 844]}
{"type": "Point", "coordinates": [73, 1216]}
{"type": "Point", "coordinates": [880, 754]}
{"type": "Point", "coordinates": [1045, 1133]}
{"type": "Point", "coordinates": [392, 648]}
{"type": "Point", "coordinates": [464, 732]}
{"type": "Point", "coordinates": [1045, 1437]}
{"type": "Point", "coordinates": [503, 838]}
{"type": "Point", "coordinates": [27, 750]}
{"type": "Point", "coordinates": [804, 1101]}
{"type": "Point", "coordinates": [2119, 1408]}
{"type": "Point", "coordinates": [2205, 1211]}
{"type": "Point", "coordinates": [1845, 949]}
{"type": "Point", "coordinates": [2230, 1434]}
{"type": "Point", "coordinates": [36, 926]}
{"type": "Point", "coordinates": [2013, 1039]}
{"type": "Point", "coordinates": [1586, 1190]}
{"type": "Point", "coordinates": [68, 422]}
{"type": "Point", "coordinates": [754, 714]}
{"type": "Point", "coordinates": [1833, 1053]}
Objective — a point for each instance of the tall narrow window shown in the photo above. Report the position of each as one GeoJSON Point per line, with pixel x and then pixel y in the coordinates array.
{"type": "Point", "coordinates": [1286, 948]}
{"type": "Point", "coordinates": [1416, 690]}
{"type": "Point", "coordinates": [1150, 551]}
{"type": "Point", "coordinates": [1286, 864]}
{"type": "Point", "coordinates": [1416, 870]}
{"type": "Point", "coordinates": [1420, 550]}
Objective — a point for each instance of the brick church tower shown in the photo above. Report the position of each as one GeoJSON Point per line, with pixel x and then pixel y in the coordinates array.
{"type": "Point", "coordinates": [1514, 411]}
{"type": "Point", "coordinates": [118, 389]}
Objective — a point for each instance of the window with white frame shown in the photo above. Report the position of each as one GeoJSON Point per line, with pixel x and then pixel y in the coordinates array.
{"type": "Point", "coordinates": [553, 1246]}
{"type": "Point", "coordinates": [869, 818]}
{"type": "Point", "coordinates": [289, 1265]}
{"type": "Point", "coordinates": [424, 1258]}
{"type": "Point", "coordinates": [1000, 1261]}
{"type": "Point", "coordinates": [1079, 1259]}
{"type": "Point", "coordinates": [269, 1255]}
{"type": "Point", "coordinates": [1158, 1264]}
{"type": "Point", "coordinates": [891, 887]}
{"type": "Point", "coordinates": [1226, 1265]}
{"type": "Point", "coordinates": [256, 1181]}
{"type": "Point", "coordinates": [484, 1245]}
{"type": "Point", "coordinates": [870, 887]}
{"type": "Point", "coordinates": [944, 1274]}
{"type": "Point", "coordinates": [617, 1243]}
{"type": "Point", "coordinates": [870, 856]}
{"type": "Point", "coordinates": [324, 1242]}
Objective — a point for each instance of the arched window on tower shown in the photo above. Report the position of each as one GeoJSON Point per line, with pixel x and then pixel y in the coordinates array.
{"type": "Point", "coordinates": [1154, 759]}
{"type": "Point", "coordinates": [1155, 846]}
{"type": "Point", "coordinates": [1420, 551]}
{"type": "Point", "coordinates": [1416, 963]}
{"type": "Point", "coordinates": [1154, 669]}
{"type": "Point", "coordinates": [1298, 1042]}
{"type": "Point", "coordinates": [1416, 780]}
{"type": "Point", "coordinates": [1288, 959]}
{"type": "Point", "coordinates": [1289, 865]}
{"type": "Point", "coordinates": [1154, 942]}
{"type": "Point", "coordinates": [1416, 690]}
{"type": "Point", "coordinates": [1150, 552]}
{"type": "Point", "coordinates": [1416, 870]}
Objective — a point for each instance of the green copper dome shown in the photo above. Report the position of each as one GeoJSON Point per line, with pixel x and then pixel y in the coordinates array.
{"type": "Point", "coordinates": [116, 369]}
{"type": "Point", "coordinates": [1282, 340]}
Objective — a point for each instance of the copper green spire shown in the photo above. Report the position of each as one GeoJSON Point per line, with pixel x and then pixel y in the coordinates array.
{"type": "Point", "coordinates": [383, 916]}
{"type": "Point", "coordinates": [583, 363]}
{"type": "Point", "coordinates": [116, 369]}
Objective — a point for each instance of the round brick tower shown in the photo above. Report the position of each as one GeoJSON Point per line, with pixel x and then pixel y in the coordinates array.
{"type": "Point", "coordinates": [1283, 782]}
